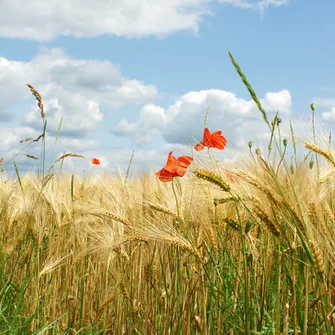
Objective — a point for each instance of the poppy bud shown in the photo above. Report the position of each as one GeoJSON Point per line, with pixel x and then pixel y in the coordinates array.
{"type": "Point", "coordinates": [313, 107]}
{"type": "Point", "coordinates": [285, 142]}
{"type": "Point", "coordinates": [248, 226]}
{"type": "Point", "coordinates": [311, 164]}
{"type": "Point", "coordinates": [292, 169]}
{"type": "Point", "coordinates": [250, 144]}
{"type": "Point", "coordinates": [258, 152]}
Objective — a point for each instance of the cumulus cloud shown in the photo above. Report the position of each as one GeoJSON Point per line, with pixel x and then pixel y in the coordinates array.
{"type": "Point", "coordinates": [180, 122]}
{"type": "Point", "coordinates": [45, 20]}
{"type": "Point", "coordinates": [73, 90]}
{"type": "Point", "coordinates": [70, 88]}
{"type": "Point", "coordinates": [329, 116]}
{"type": "Point", "coordinates": [151, 120]}
{"type": "Point", "coordinates": [325, 103]}
{"type": "Point", "coordinates": [10, 137]}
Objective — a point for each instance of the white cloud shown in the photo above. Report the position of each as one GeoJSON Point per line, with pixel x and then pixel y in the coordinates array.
{"type": "Point", "coordinates": [45, 20]}
{"type": "Point", "coordinates": [180, 122]}
{"type": "Point", "coordinates": [261, 5]}
{"type": "Point", "coordinates": [323, 102]}
{"type": "Point", "coordinates": [152, 118]}
{"type": "Point", "coordinates": [76, 123]}
{"type": "Point", "coordinates": [70, 88]}
{"type": "Point", "coordinates": [110, 159]}
{"type": "Point", "coordinates": [329, 116]}
{"type": "Point", "coordinates": [10, 142]}
{"type": "Point", "coordinates": [10, 137]}
{"type": "Point", "coordinates": [328, 103]}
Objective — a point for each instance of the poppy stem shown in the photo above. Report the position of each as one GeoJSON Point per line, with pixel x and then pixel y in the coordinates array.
{"type": "Point", "coordinates": [175, 196]}
{"type": "Point", "coordinates": [210, 157]}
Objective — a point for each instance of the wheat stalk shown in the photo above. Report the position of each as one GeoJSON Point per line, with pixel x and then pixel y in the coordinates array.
{"type": "Point", "coordinates": [161, 209]}
{"type": "Point", "coordinates": [104, 305]}
{"type": "Point", "coordinates": [229, 198]}
{"type": "Point", "coordinates": [110, 215]}
{"type": "Point", "coordinates": [318, 257]}
{"type": "Point", "coordinates": [252, 181]}
{"type": "Point", "coordinates": [232, 223]}
{"type": "Point", "coordinates": [69, 154]}
{"type": "Point", "coordinates": [326, 154]}
{"type": "Point", "coordinates": [212, 178]}
{"type": "Point", "coordinates": [273, 228]}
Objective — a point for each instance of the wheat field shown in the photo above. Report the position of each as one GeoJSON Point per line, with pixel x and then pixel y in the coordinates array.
{"type": "Point", "coordinates": [238, 248]}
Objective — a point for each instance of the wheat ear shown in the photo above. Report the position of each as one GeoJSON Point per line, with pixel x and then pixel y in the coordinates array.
{"type": "Point", "coordinates": [212, 178]}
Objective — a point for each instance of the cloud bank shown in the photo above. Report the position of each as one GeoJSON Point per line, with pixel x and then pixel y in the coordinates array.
{"type": "Point", "coordinates": [45, 20]}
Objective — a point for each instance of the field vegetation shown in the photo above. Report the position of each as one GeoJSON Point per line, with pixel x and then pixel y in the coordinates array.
{"type": "Point", "coordinates": [202, 247]}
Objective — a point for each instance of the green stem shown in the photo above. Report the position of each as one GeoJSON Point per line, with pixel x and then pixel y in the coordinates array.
{"type": "Point", "coordinates": [246, 276]}
{"type": "Point", "coordinates": [277, 331]}
{"type": "Point", "coordinates": [306, 300]}
{"type": "Point", "coordinates": [281, 159]}
{"type": "Point", "coordinates": [175, 196]}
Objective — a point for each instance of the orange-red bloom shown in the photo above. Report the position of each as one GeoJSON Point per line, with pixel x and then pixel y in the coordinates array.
{"type": "Point", "coordinates": [175, 167]}
{"type": "Point", "coordinates": [95, 161]}
{"type": "Point", "coordinates": [215, 140]}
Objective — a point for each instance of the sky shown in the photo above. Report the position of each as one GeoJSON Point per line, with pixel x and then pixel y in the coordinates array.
{"type": "Point", "coordinates": [138, 76]}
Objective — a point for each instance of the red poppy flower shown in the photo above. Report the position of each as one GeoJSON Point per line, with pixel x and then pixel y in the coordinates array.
{"type": "Point", "coordinates": [95, 161]}
{"type": "Point", "coordinates": [215, 140]}
{"type": "Point", "coordinates": [175, 167]}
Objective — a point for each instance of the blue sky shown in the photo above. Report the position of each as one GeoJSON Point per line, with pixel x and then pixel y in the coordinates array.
{"type": "Point", "coordinates": [139, 75]}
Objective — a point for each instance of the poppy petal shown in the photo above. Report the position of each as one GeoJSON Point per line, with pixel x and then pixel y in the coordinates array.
{"type": "Point", "coordinates": [219, 142]}
{"type": "Point", "coordinates": [174, 167]}
{"type": "Point", "coordinates": [183, 163]}
{"type": "Point", "coordinates": [207, 137]}
{"type": "Point", "coordinates": [164, 175]}
{"type": "Point", "coordinates": [199, 146]}
{"type": "Point", "coordinates": [171, 165]}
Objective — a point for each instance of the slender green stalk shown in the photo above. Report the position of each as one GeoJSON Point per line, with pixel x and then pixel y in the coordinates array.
{"type": "Point", "coordinates": [72, 185]}
{"type": "Point", "coordinates": [314, 138]}
{"type": "Point", "coordinates": [175, 196]}
{"type": "Point", "coordinates": [206, 116]}
{"type": "Point", "coordinates": [278, 289]}
{"type": "Point", "coordinates": [129, 165]}
{"type": "Point", "coordinates": [306, 300]}
{"type": "Point", "coordinates": [43, 148]}
{"type": "Point", "coordinates": [18, 176]}
{"type": "Point", "coordinates": [246, 278]}
{"type": "Point", "coordinates": [273, 126]}
{"type": "Point", "coordinates": [282, 156]}
{"type": "Point", "coordinates": [56, 139]}
{"type": "Point", "coordinates": [294, 144]}
{"type": "Point", "coordinates": [250, 89]}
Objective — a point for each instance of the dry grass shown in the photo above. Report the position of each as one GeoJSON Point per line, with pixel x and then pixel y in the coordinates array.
{"type": "Point", "coordinates": [117, 256]}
